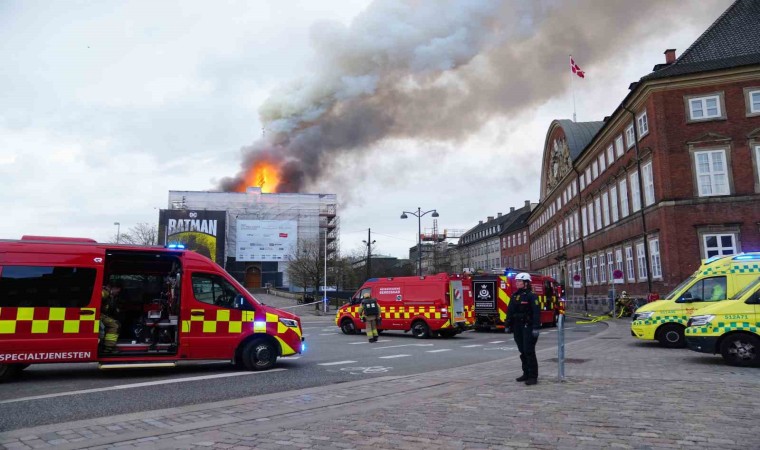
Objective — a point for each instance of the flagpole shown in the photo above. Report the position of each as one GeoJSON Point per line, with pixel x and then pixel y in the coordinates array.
{"type": "Point", "coordinates": [572, 87]}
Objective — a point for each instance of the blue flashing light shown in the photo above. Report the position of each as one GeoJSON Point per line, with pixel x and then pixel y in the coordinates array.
{"type": "Point", "coordinates": [746, 257]}
{"type": "Point", "coordinates": [303, 347]}
{"type": "Point", "coordinates": [372, 280]}
{"type": "Point", "coordinates": [176, 246]}
{"type": "Point", "coordinates": [712, 259]}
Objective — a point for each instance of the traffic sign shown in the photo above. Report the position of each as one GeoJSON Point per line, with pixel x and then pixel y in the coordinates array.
{"type": "Point", "coordinates": [617, 276]}
{"type": "Point", "coordinates": [576, 281]}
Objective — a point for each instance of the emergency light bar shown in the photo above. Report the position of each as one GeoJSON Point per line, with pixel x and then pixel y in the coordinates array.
{"type": "Point", "coordinates": [176, 246]}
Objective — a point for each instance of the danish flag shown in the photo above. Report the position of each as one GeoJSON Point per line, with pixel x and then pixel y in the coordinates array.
{"type": "Point", "coordinates": [576, 70]}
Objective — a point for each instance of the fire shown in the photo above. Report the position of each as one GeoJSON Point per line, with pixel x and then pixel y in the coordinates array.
{"type": "Point", "coordinates": [263, 174]}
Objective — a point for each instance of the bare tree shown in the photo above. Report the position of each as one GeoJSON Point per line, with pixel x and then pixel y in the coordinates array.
{"type": "Point", "coordinates": [306, 264]}
{"type": "Point", "coordinates": [140, 234]}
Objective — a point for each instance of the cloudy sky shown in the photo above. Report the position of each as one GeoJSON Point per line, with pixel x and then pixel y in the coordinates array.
{"type": "Point", "coordinates": [106, 106]}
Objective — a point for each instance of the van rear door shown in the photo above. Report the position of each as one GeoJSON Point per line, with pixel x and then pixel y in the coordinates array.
{"type": "Point", "coordinates": [456, 294]}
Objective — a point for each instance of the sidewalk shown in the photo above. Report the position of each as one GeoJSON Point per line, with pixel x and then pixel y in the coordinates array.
{"type": "Point", "coordinates": [620, 393]}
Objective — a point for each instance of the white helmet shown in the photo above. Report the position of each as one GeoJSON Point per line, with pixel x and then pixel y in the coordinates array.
{"type": "Point", "coordinates": [524, 276]}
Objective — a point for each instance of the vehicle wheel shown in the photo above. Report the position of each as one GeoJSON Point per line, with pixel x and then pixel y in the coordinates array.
{"type": "Point", "coordinates": [8, 372]}
{"type": "Point", "coordinates": [420, 329]}
{"type": "Point", "coordinates": [741, 350]}
{"type": "Point", "coordinates": [259, 354]}
{"type": "Point", "coordinates": [672, 336]}
{"type": "Point", "coordinates": [347, 326]}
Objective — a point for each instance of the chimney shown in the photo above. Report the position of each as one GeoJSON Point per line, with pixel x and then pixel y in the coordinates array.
{"type": "Point", "coordinates": [490, 218]}
{"type": "Point", "coordinates": [527, 204]}
{"type": "Point", "coordinates": [511, 209]}
{"type": "Point", "coordinates": [670, 56]}
{"type": "Point", "coordinates": [480, 222]}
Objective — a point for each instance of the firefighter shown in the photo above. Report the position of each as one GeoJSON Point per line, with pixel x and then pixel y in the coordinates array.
{"type": "Point", "coordinates": [108, 312]}
{"type": "Point", "coordinates": [524, 317]}
{"type": "Point", "coordinates": [369, 311]}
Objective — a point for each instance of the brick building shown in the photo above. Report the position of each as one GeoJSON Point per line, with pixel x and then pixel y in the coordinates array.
{"type": "Point", "coordinates": [671, 177]}
{"type": "Point", "coordinates": [515, 240]}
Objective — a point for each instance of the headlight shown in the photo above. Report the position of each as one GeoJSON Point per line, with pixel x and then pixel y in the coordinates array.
{"type": "Point", "coordinates": [700, 321]}
{"type": "Point", "coordinates": [643, 315]}
{"type": "Point", "coordinates": [289, 323]}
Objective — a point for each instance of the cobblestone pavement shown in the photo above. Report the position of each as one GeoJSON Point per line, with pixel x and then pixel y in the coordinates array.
{"type": "Point", "coordinates": [619, 393]}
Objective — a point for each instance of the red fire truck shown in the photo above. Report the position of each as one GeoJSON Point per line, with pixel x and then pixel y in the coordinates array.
{"type": "Point", "coordinates": [432, 305]}
{"type": "Point", "coordinates": [492, 294]}
{"type": "Point", "coordinates": [174, 305]}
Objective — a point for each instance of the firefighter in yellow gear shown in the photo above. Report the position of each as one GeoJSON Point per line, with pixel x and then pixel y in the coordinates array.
{"type": "Point", "coordinates": [369, 311]}
{"type": "Point", "coordinates": [108, 311]}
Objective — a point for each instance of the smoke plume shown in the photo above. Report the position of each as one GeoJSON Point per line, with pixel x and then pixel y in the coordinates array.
{"type": "Point", "coordinates": [440, 70]}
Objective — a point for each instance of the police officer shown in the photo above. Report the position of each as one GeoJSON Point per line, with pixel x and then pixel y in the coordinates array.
{"type": "Point", "coordinates": [108, 310]}
{"type": "Point", "coordinates": [369, 311]}
{"type": "Point", "coordinates": [524, 317]}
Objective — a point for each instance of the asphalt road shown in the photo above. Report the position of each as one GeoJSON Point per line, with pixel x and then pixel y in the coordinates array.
{"type": "Point", "coordinates": [48, 394]}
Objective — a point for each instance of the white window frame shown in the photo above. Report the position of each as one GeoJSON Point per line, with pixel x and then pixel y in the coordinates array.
{"type": "Point", "coordinates": [643, 124]}
{"type": "Point", "coordinates": [630, 137]}
{"type": "Point", "coordinates": [594, 170]}
{"type": "Point", "coordinates": [594, 273]}
{"type": "Point", "coordinates": [654, 257]}
{"type": "Point", "coordinates": [602, 268]}
{"type": "Point", "coordinates": [623, 185]}
{"type": "Point", "coordinates": [598, 212]}
{"type": "Point", "coordinates": [585, 222]}
{"type": "Point", "coordinates": [712, 174]}
{"type": "Point", "coordinates": [619, 146]}
{"type": "Point", "coordinates": [602, 163]}
{"type": "Point", "coordinates": [751, 104]}
{"type": "Point", "coordinates": [610, 266]}
{"type": "Point", "coordinates": [619, 259]}
{"type": "Point", "coordinates": [629, 263]}
{"type": "Point", "coordinates": [591, 227]}
{"type": "Point", "coordinates": [720, 249]}
{"type": "Point", "coordinates": [635, 192]}
{"type": "Point", "coordinates": [614, 203]}
{"type": "Point", "coordinates": [610, 155]}
{"type": "Point", "coordinates": [587, 280]}
{"type": "Point", "coordinates": [648, 175]}
{"type": "Point", "coordinates": [702, 102]}
{"type": "Point", "coordinates": [641, 260]}
{"type": "Point", "coordinates": [606, 208]}
{"type": "Point", "coordinates": [588, 175]}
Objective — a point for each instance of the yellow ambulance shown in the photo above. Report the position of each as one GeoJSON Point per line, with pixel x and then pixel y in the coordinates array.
{"type": "Point", "coordinates": [718, 278]}
{"type": "Point", "coordinates": [731, 328]}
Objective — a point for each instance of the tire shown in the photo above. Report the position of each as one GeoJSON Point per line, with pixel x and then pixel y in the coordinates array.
{"type": "Point", "coordinates": [8, 372]}
{"type": "Point", "coordinates": [671, 336]}
{"type": "Point", "coordinates": [741, 350]}
{"type": "Point", "coordinates": [347, 326]}
{"type": "Point", "coordinates": [420, 330]}
{"type": "Point", "coordinates": [259, 354]}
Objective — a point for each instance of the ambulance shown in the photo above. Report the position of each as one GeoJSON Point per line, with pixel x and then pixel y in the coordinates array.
{"type": "Point", "coordinates": [174, 305]}
{"type": "Point", "coordinates": [717, 279]}
{"type": "Point", "coordinates": [731, 328]}
{"type": "Point", "coordinates": [432, 305]}
{"type": "Point", "coordinates": [492, 294]}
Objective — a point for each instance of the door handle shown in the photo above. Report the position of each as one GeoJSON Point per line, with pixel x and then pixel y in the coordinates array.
{"type": "Point", "coordinates": [196, 313]}
{"type": "Point", "coordinates": [86, 312]}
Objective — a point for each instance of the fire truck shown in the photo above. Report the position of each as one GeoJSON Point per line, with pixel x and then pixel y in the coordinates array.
{"type": "Point", "coordinates": [174, 305]}
{"type": "Point", "coordinates": [432, 305]}
{"type": "Point", "coordinates": [492, 294]}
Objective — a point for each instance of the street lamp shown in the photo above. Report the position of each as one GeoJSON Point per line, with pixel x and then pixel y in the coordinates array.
{"type": "Point", "coordinates": [419, 215]}
{"type": "Point", "coordinates": [369, 242]}
{"type": "Point", "coordinates": [118, 228]}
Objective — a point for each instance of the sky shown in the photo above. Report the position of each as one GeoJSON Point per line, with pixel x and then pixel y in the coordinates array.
{"type": "Point", "coordinates": [106, 106]}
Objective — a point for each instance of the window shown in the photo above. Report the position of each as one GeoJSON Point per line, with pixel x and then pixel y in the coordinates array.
{"type": "Point", "coordinates": [588, 271]}
{"type": "Point", "coordinates": [757, 160]}
{"type": "Point", "coordinates": [635, 192]}
{"type": "Point", "coordinates": [583, 182]}
{"type": "Point", "coordinates": [602, 268]}
{"type": "Point", "coordinates": [594, 273]}
{"type": "Point", "coordinates": [594, 170]}
{"type": "Point", "coordinates": [602, 163]}
{"type": "Point", "coordinates": [629, 263]}
{"type": "Point", "coordinates": [753, 102]}
{"type": "Point", "coordinates": [703, 108]}
{"type": "Point", "coordinates": [598, 210]}
{"type": "Point", "coordinates": [610, 155]}
{"type": "Point", "coordinates": [606, 208]}
{"type": "Point", "coordinates": [630, 136]}
{"type": "Point", "coordinates": [619, 150]}
{"type": "Point", "coordinates": [654, 257]}
{"type": "Point", "coordinates": [648, 184]}
{"type": "Point", "coordinates": [641, 260]}
{"type": "Point", "coordinates": [575, 226]}
{"type": "Point", "coordinates": [519, 238]}
{"type": "Point", "coordinates": [714, 245]}
{"type": "Point", "coordinates": [215, 290]}
{"type": "Point", "coordinates": [46, 287]}
{"type": "Point", "coordinates": [623, 198]}
{"type": "Point", "coordinates": [712, 176]}
{"type": "Point", "coordinates": [610, 265]}
{"type": "Point", "coordinates": [574, 190]}
{"type": "Point", "coordinates": [707, 290]}
{"type": "Point", "coordinates": [614, 203]}
{"type": "Point", "coordinates": [590, 218]}
{"type": "Point", "coordinates": [619, 259]}
{"type": "Point", "coordinates": [643, 124]}
{"type": "Point", "coordinates": [588, 175]}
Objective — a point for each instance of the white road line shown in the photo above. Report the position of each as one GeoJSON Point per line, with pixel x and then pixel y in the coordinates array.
{"type": "Point", "coordinates": [138, 385]}
{"type": "Point", "coordinates": [358, 343]}
{"type": "Point", "coordinates": [290, 358]}
{"type": "Point", "coordinates": [393, 356]}
{"type": "Point", "coordinates": [336, 363]}
{"type": "Point", "coordinates": [497, 342]}
{"type": "Point", "coordinates": [403, 345]}
{"type": "Point", "coordinates": [327, 334]}
{"type": "Point", "coordinates": [439, 350]}
{"type": "Point", "coordinates": [471, 346]}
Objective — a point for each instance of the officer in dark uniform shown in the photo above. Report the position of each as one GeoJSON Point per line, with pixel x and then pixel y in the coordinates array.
{"type": "Point", "coordinates": [108, 311]}
{"type": "Point", "coordinates": [524, 317]}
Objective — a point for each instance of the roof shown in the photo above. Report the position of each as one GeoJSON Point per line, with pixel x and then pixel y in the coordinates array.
{"type": "Point", "coordinates": [521, 221]}
{"type": "Point", "coordinates": [578, 135]}
{"type": "Point", "coordinates": [502, 224]}
{"type": "Point", "coordinates": [731, 41]}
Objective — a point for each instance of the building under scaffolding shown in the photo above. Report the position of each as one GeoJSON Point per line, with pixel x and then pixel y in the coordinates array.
{"type": "Point", "coordinates": [257, 230]}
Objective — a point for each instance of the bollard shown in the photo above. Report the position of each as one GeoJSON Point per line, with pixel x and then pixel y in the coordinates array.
{"type": "Point", "coordinates": [561, 342]}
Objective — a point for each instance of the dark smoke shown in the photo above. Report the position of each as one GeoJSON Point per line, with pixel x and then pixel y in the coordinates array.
{"type": "Point", "coordinates": [441, 69]}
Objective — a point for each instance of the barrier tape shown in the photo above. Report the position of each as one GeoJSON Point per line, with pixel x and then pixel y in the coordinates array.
{"type": "Point", "coordinates": [302, 304]}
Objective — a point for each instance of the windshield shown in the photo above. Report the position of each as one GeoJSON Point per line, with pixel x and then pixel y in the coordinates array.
{"type": "Point", "coordinates": [678, 288]}
{"type": "Point", "coordinates": [746, 289]}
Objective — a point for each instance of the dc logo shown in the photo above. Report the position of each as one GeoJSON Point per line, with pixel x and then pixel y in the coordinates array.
{"type": "Point", "coordinates": [193, 215]}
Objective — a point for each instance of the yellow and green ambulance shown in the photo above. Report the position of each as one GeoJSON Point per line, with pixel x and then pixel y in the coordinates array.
{"type": "Point", "coordinates": [731, 328]}
{"type": "Point", "coordinates": [717, 279]}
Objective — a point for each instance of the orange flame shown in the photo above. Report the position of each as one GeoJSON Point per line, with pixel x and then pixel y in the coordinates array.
{"type": "Point", "coordinates": [263, 174]}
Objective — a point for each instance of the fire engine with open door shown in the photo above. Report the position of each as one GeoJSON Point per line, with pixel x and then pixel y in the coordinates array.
{"type": "Point", "coordinates": [431, 305]}
{"type": "Point", "coordinates": [174, 305]}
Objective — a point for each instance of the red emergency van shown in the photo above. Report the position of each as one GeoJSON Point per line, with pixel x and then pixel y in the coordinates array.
{"type": "Point", "coordinates": [433, 305]}
{"type": "Point", "coordinates": [174, 305]}
{"type": "Point", "coordinates": [492, 294]}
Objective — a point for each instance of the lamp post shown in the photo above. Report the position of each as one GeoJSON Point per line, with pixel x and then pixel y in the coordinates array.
{"type": "Point", "coordinates": [419, 215]}
{"type": "Point", "coordinates": [369, 243]}
{"type": "Point", "coordinates": [118, 229]}
{"type": "Point", "coordinates": [324, 291]}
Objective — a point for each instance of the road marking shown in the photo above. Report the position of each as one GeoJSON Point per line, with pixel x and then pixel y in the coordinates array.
{"type": "Point", "coordinates": [357, 343]}
{"type": "Point", "coordinates": [290, 358]}
{"type": "Point", "coordinates": [497, 342]}
{"type": "Point", "coordinates": [327, 334]}
{"type": "Point", "coordinates": [336, 363]}
{"type": "Point", "coordinates": [393, 356]}
{"type": "Point", "coordinates": [439, 350]}
{"type": "Point", "coordinates": [403, 345]}
{"type": "Point", "coordinates": [471, 346]}
{"type": "Point", "coordinates": [139, 385]}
